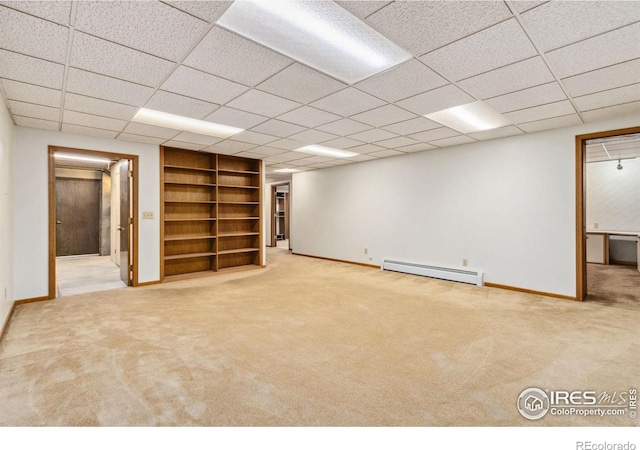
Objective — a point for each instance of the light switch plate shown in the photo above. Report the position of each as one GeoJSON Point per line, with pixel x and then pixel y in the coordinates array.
{"type": "Point", "coordinates": [147, 214]}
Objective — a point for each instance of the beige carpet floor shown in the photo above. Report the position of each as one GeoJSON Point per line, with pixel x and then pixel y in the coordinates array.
{"type": "Point", "coordinates": [82, 274]}
{"type": "Point", "coordinates": [308, 342]}
{"type": "Point", "coordinates": [614, 285]}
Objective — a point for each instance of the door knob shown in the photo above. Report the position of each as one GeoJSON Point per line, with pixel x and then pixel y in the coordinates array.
{"type": "Point", "coordinates": [58, 222]}
{"type": "Point", "coordinates": [120, 229]}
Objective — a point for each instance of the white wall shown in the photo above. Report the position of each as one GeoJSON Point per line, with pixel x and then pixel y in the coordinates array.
{"type": "Point", "coordinates": [507, 206]}
{"type": "Point", "coordinates": [30, 172]}
{"type": "Point", "coordinates": [6, 214]}
{"type": "Point", "coordinates": [613, 196]}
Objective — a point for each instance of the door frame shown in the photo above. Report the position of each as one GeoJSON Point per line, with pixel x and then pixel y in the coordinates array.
{"type": "Point", "coordinates": [581, 225]}
{"type": "Point", "coordinates": [52, 209]}
{"type": "Point", "coordinates": [273, 210]}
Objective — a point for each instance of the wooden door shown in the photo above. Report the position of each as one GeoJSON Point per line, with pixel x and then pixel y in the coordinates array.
{"type": "Point", "coordinates": [77, 216]}
{"type": "Point", "coordinates": [125, 222]}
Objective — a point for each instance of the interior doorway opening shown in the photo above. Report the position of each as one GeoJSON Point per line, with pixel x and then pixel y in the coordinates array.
{"type": "Point", "coordinates": [280, 216]}
{"type": "Point", "coordinates": [92, 221]}
{"type": "Point", "coordinates": [608, 218]}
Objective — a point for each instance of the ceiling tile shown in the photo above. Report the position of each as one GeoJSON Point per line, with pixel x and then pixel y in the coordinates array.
{"type": "Point", "coordinates": [30, 93]}
{"type": "Point", "coordinates": [449, 142]}
{"type": "Point", "coordinates": [267, 151]}
{"type": "Point", "coordinates": [286, 144]}
{"type": "Point", "coordinates": [196, 84]}
{"type": "Point", "coordinates": [556, 24]}
{"type": "Point", "coordinates": [432, 135]}
{"type": "Point", "coordinates": [230, 56]}
{"type": "Point", "coordinates": [597, 52]}
{"type": "Point", "coordinates": [151, 27]}
{"type": "Point", "coordinates": [35, 111]}
{"type": "Point", "coordinates": [220, 151]}
{"type": "Point", "coordinates": [396, 142]}
{"type": "Point", "coordinates": [301, 84]}
{"type": "Point", "coordinates": [36, 123]}
{"type": "Point", "coordinates": [31, 36]}
{"type": "Point", "coordinates": [384, 115]}
{"type": "Point", "coordinates": [89, 120]}
{"type": "Point", "coordinates": [341, 143]}
{"type": "Point", "coordinates": [421, 147]}
{"type": "Point", "coordinates": [556, 109]}
{"type": "Point", "coordinates": [311, 160]}
{"type": "Point", "coordinates": [142, 139]}
{"type": "Point", "coordinates": [366, 148]}
{"type": "Point", "coordinates": [89, 105]}
{"type": "Point", "coordinates": [525, 5]}
{"type": "Point", "coordinates": [286, 157]}
{"type": "Point", "coordinates": [313, 137]}
{"type": "Point", "coordinates": [548, 124]}
{"type": "Point", "coordinates": [100, 56]}
{"type": "Point", "coordinates": [177, 104]}
{"type": "Point", "coordinates": [263, 103]}
{"type": "Point", "coordinates": [386, 153]}
{"type": "Point", "coordinates": [235, 118]}
{"type": "Point", "coordinates": [184, 145]}
{"type": "Point", "coordinates": [496, 133]}
{"type": "Point", "coordinates": [253, 138]}
{"type": "Point", "coordinates": [230, 147]}
{"type": "Point", "coordinates": [88, 131]}
{"type": "Point", "coordinates": [193, 138]}
{"type": "Point", "coordinates": [344, 127]}
{"type": "Point", "coordinates": [149, 130]}
{"type": "Point", "coordinates": [526, 98]}
{"type": "Point", "coordinates": [407, 79]}
{"type": "Point", "coordinates": [362, 9]}
{"type": "Point", "coordinates": [278, 128]}
{"type": "Point", "coordinates": [436, 100]}
{"type": "Point", "coordinates": [612, 112]}
{"type": "Point", "coordinates": [373, 135]}
{"type": "Point", "coordinates": [348, 102]}
{"type": "Point", "coordinates": [362, 158]}
{"type": "Point", "coordinates": [612, 97]}
{"type": "Point", "coordinates": [250, 155]}
{"type": "Point", "coordinates": [58, 11]}
{"type": "Point", "coordinates": [521, 75]}
{"type": "Point", "coordinates": [495, 47]}
{"type": "Point", "coordinates": [30, 70]}
{"type": "Point", "coordinates": [308, 117]}
{"type": "Point", "coordinates": [106, 88]}
{"type": "Point", "coordinates": [205, 10]}
{"type": "Point", "coordinates": [602, 79]}
{"type": "Point", "coordinates": [404, 22]}
{"type": "Point", "coordinates": [412, 126]}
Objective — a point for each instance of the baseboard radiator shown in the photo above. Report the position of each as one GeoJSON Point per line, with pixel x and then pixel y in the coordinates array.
{"type": "Point", "coordinates": [442, 273]}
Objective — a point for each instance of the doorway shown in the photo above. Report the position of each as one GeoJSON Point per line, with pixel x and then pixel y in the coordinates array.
{"type": "Point", "coordinates": [92, 221]}
{"type": "Point", "coordinates": [607, 225]}
{"type": "Point", "coordinates": [280, 216]}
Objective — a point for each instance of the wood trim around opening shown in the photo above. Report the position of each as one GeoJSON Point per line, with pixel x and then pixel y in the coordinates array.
{"type": "Point", "coordinates": [581, 228]}
{"type": "Point", "coordinates": [52, 209]}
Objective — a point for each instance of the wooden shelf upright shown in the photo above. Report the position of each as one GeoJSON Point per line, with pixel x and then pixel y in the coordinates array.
{"type": "Point", "coordinates": [210, 217]}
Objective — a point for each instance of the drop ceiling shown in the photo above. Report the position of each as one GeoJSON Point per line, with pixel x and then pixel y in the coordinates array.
{"type": "Point", "coordinates": [87, 67]}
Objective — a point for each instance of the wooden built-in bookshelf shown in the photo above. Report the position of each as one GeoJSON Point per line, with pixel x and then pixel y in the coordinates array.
{"type": "Point", "coordinates": [211, 209]}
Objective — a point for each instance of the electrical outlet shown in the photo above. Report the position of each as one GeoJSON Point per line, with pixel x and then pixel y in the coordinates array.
{"type": "Point", "coordinates": [147, 214]}
{"type": "Point", "coordinates": [596, 225]}
{"type": "Point", "coordinates": [464, 262]}
{"type": "Point", "coordinates": [366, 251]}
{"type": "Point", "coordinates": [5, 292]}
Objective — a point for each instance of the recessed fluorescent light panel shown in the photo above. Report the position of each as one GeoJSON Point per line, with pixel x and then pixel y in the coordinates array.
{"type": "Point", "coordinates": [326, 151]}
{"type": "Point", "coordinates": [286, 170]}
{"type": "Point", "coordinates": [81, 158]}
{"type": "Point", "coordinates": [320, 34]}
{"type": "Point", "coordinates": [173, 121]}
{"type": "Point", "coordinates": [470, 118]}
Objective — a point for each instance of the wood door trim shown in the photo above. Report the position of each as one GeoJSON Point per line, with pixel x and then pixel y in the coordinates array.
{"type": "Point", "coordinates": [581, 230]}
{"type": "Point", "coordinates": [52, 210]}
